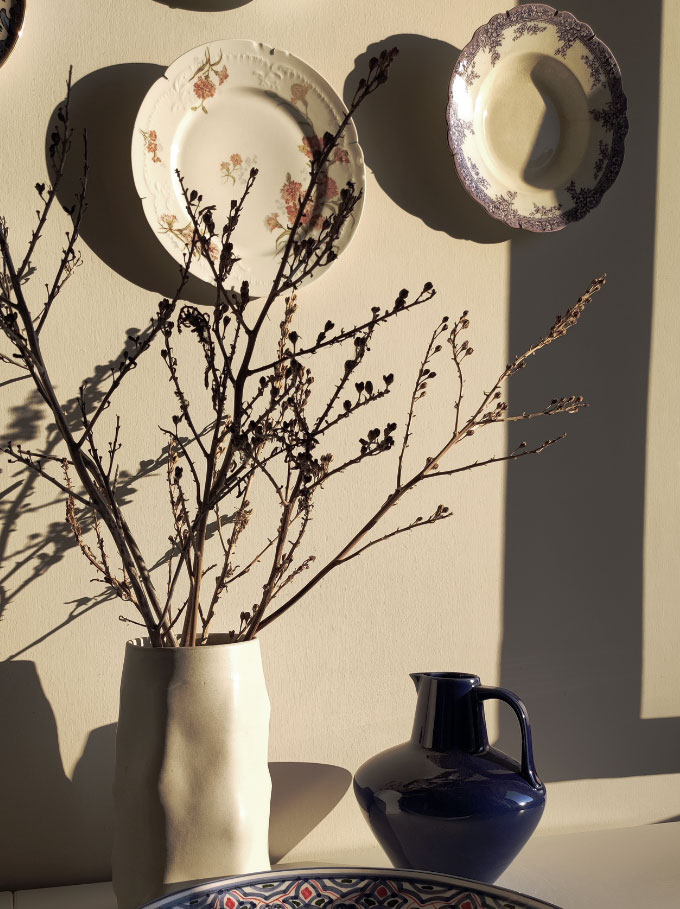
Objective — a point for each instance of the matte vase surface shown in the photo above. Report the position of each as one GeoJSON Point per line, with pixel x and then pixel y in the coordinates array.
{"type": "Point", "coordinates": [192, 786]}
{"type": "Point", "coordinates": [447, 801]}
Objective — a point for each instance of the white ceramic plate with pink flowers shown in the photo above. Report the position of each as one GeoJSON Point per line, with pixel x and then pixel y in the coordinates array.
{"type": "Point", "coordinates": [220, 110]}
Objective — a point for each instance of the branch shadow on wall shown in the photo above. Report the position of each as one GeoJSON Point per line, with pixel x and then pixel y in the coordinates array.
{"type": "Point", "coordinates": [575, 517]}
{"type": "Point", "coordinates": [402, 131]}
{"type": "Point", "coordinates": [40, 551]}
{"type": "Point", "coordinates": [59, 831]}
{"type": "Point", "coordinates": [105, 103]}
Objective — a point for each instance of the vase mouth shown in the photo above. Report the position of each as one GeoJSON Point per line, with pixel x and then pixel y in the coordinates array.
{"type": "Point", "coordinates": [214, 640]}
{"type": "Point", "coordinates": [463, 676]}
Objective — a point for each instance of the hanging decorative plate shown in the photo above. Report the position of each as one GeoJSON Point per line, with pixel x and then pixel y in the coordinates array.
{"type": "Point", "coordinates": [348, 888]}
{"type": "Point", "coordinates": [537, 118]}
{"type": "Point", "coordinates": [12, 14]}
{"type": "Point", "coordinates": [220, 110]}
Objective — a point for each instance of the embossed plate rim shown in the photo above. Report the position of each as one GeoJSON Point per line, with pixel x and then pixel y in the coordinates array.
{"type": "Point", "coordinates": [151, 188]}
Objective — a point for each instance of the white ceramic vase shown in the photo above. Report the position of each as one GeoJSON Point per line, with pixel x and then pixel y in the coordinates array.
{"type": "Point", "coordinates": [192, 786]}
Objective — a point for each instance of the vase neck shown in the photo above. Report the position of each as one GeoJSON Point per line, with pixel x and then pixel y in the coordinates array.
{"type": "Point", "coordinates": [448, 714]}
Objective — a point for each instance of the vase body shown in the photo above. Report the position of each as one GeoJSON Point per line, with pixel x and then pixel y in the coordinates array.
{"type": "Point", "coordinates": [191, 786]}
{"type": "Point", "coordinates": [445, 800]}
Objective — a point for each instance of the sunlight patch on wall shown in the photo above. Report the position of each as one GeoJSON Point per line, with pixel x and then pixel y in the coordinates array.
{"type": "Point", "coordinates": [661, 590]}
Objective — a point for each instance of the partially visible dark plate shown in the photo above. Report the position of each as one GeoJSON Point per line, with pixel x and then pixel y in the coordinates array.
{"type": "Point", "coordinates": [12, 14]}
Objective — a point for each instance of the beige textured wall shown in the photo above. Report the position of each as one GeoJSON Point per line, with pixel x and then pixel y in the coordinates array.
{"type": "Point", "coordinates": [539, 581]}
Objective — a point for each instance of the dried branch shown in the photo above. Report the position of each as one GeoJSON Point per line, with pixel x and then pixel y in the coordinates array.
{"type": "Point", "coordinates": [60, 145]}
{"type": "Point", "coordinates": [141, 343]}
{"type": "Point", "coordinates": [440, 513]}
{"type": "Point", "coordinates": [267, 426]}
{"type": "Point", "coordinates": [559, 329]}
{"type": "Point", "coordinates": [27, 458]}
{"type": "Point", "coordinates": [120, 587]}
{"type": "Point", "coordinates": [520, 452]}
{"type": "Point", "coordinates": [398, 308]}
{"type": "Point", "coordinates": [420, 388]}
{"type": "Point", "coordinates": [70, 259]}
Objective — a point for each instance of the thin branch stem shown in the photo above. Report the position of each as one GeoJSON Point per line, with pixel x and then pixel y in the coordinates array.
{"type": "Point", "coordinates": [25, 458]}
{"type": "Point", "coordinates": [439, 515]}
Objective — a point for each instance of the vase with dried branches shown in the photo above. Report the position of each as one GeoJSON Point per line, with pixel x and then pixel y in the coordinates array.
{"type": "Point", "coordinates": [268, 427]}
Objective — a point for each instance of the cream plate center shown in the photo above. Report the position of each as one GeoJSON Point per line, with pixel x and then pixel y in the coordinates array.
{"type": "Point", "coordinates": [215, 152]}
{"type": "Point", "coordinates": [532, 115]}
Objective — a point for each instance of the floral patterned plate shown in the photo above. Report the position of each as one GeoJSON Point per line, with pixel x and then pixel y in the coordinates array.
{"type": "Point", "coordinates": [346, 888]}
{"type": "Point", "coordinates": [219, 110]}
{"type": "Point", "coordinates": [12, 14]}
{"type": "Point", "coordinates": [537, 118]}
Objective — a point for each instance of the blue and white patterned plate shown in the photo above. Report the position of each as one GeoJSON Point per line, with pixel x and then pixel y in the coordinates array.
{"type": "Point", "coordinates": [537, 118]}
{"type": "Point", "coordinates": [346, 888]}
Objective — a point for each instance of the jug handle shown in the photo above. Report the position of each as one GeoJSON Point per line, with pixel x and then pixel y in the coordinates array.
{"type": "Point", "coordinates": [528, 770]}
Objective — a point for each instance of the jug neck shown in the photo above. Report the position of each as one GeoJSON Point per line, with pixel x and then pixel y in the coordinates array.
{"type": "Point", "coordinates": [448, 714]}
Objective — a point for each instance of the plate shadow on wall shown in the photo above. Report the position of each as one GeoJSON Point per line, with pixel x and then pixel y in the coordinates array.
{"type": "Point", "coordinates": [574, 517]}
{"type": "Point", "coordinates": [105, 103]}
{"type": "Point", "coordinates": [57, 830]}
{"type": "Point", "coordinates": [402, 130]}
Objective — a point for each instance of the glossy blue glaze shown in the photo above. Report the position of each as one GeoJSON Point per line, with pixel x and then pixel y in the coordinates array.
{"type": "Point", "coordinates": [446, 800]}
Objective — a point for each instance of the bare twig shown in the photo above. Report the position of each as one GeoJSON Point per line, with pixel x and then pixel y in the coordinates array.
{"type": "Point", "coordinates": [266, 425]}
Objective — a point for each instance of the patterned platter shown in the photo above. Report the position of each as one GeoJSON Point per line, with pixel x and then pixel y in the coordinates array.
{"type": "Point", "coordinates": [537, 118]}
{"type": "Point", "coordinates": [346, 888]}
{"type": "Point", "coordinates": [220, 110]}
{"type": "Point", "coordinates": [12, 14]}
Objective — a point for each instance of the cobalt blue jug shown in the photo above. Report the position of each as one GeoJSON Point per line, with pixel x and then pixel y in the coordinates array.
{"type": "Point", "coordinates": [446, 800]}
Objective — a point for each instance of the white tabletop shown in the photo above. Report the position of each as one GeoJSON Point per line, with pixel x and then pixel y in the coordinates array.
{"type": "Point", "coordinates": [626, 868]}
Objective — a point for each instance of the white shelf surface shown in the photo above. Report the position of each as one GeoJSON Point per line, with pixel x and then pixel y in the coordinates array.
{"type": "Point", "coordinates": [625, 868]}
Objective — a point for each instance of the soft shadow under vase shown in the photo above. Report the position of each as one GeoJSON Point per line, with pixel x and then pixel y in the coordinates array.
{"type": "Point", "coordinates": [192, 786]}
{"type": "Point", "coordinates": [446, 800]}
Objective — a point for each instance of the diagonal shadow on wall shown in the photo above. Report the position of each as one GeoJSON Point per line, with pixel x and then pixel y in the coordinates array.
{"type": "Point", "coordinates": [574, 520]}
{"type": "Point", "coordinates": [51, 825]}
{"type": "Point", "coordinates": [59, 831]}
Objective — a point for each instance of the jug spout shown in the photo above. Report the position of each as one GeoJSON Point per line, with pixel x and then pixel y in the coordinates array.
{"type": "Point", "coordinates": [447, 714]}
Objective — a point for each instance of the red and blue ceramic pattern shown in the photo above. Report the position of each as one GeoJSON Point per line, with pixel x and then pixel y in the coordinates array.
{"type": "Point", "coordinates": [346, 888]}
